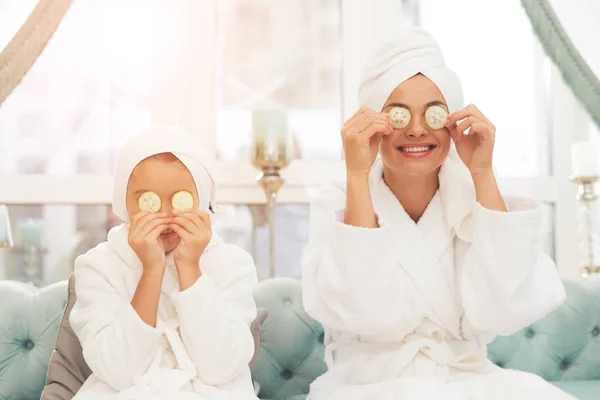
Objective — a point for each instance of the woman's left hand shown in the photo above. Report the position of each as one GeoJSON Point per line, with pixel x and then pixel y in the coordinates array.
{"type": "Point", "coordinates": [477, 147]}
{"type": "Point", "coordinates": [194, 229]}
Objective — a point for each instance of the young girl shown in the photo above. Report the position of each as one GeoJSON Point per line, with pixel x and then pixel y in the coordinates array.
{"type": "Point", "coordinates": [164, 306]}
{"type": "Point", "coordinates": [416, 262]}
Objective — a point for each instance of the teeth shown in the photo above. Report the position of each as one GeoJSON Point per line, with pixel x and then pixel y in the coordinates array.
{"type": "Point", "coordinates": [415, 149]}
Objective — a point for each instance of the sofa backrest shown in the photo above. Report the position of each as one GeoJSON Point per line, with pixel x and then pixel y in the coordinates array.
{"type": "Point", "coordinates": [563, 346]}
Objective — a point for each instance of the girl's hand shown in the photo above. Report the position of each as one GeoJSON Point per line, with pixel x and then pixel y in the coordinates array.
{"type": "Point", "coordinates": [194, 229]}
{"type": "Point", "coordinates": [144, 231]}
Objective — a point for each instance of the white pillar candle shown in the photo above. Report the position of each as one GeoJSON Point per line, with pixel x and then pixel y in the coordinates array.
{"type": "Point", "coordinates": [585, 159]}
{"type": "Point", "coordinates": [270, 133]}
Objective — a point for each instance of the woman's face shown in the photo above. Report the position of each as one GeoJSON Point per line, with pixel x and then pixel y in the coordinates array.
{"type": "Point", "coordinates": [415, 94]}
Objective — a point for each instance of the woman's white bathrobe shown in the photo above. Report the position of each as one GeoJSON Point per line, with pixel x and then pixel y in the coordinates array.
{"type": "Point", "coordinates": [409, 308]}
{"type": "Point", "coordinates": [202, 344]}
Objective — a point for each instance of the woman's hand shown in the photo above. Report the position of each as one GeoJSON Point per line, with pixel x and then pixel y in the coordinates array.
{"type": "Point", "coordinates": [144, 231]}
{"type": "Point", "coordinates": [194, 229]}
{"type": "Point", "coordinates": [477, 147]}
{"type": "Point", "coordinates": [361, 135]}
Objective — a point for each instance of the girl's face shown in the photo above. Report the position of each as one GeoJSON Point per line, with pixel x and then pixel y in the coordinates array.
{"type": "Point", "coordinates": [416, 94]}
{"type": "Point", "coordinates": [164, 175]}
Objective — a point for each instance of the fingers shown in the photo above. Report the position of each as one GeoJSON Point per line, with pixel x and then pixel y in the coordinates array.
{"type": "Point", "coordinates": [149, 226]}
{"type": "Point", "coordinates": [206, 219]}
{"type": "Point", "coordinates": [469, 111]}
{"type": "Point", "coordinates": [375, 118]}
{"type": "Point", "coordinates": [485, 132]}
{"type": "Point", "coordinates": [200, 219]}
{"type": "Point", "coordinates": [139, 216]}
{"type": "Point", "coordinates": [463, 126]}
{"type": "Point", "coordinates": [368, 125]}
{"type": "Point", "coordinates": [185, 236]}
{"type": "Point", "coordinates": [139, 220]}
{"type": "Point", "coordinates": [156, 231]}
{"type": "Point", "coordinates": [188, 237]}
{"type": "Point", "coordinates": [152, 229]}
{"type": "Point", "coordinates": [185, 223]}
{"type": "Point", "coordinates": [358, 113]}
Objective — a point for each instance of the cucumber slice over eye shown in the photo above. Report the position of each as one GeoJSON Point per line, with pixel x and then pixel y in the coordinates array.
{"type": "Point", "coordinates": [149, 201]}
{"type": "Point", "coordinates": [400, 117]}
{"type": "Point", "coordinates": [182, 200]}
{"type": "Point", "coordinates": [436, 117]}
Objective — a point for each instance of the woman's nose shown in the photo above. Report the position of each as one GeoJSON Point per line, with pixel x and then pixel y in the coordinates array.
{"type": "Point", "coordinates": [417, 128]}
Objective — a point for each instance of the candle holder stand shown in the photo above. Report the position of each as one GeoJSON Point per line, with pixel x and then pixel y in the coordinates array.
{"type": "Point", "coordinates": [588, 222]}
{"type": "Point", "coordinates": [271, 153]}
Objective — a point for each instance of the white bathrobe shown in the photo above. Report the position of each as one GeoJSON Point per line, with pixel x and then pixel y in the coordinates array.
{"type": "Point", "coordinates": [408, 308]}
{"type": "Point", "coordinates": [201, 345]}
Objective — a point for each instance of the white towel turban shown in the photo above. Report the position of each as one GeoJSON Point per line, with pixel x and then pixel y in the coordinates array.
{"type": "Point", "coordinates": [401, 54]}
{"type": "Point", "coordinates": [156, 141]}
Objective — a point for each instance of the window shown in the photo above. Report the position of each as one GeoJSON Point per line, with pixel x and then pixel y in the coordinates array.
{"type": "Point", "coordinates": [59, 135]}
{"type": "Point", "coordinates": [87, 92]}
{"type": "Point", "coordinates": [504, 72]}
{"type": "Point", "coordinates": [280, 54]}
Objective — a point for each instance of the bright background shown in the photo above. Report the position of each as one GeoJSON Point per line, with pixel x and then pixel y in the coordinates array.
{"type": "Point", "coordinates": [117, 65]}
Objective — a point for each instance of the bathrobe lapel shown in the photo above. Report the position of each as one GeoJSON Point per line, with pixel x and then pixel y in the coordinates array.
{"type": "Point", "coordinates": [420, 247]}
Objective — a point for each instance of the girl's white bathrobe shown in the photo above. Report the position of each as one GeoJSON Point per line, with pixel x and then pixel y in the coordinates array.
{"type": "Point", "coordinates": [201, 345]}
{"type": "Point", "coordinates": [409, 308]}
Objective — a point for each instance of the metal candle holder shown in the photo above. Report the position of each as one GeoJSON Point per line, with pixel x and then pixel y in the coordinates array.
{"type": "Point", "coordinates": [6, 241]}
{"type": "Point", "coordinates": [271, 152]}
{"type": "Point", "coordinates": [588, 223]}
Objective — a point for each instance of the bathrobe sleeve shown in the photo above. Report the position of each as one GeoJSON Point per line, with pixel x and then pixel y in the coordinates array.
{"type": "Point", "coordinates": [507, 281]}
{"type": "Point", "coordinates": [351, 279]}
{"type": "Point", "coordinates": [117, 344]}
{"type": "Point", "coordinates": [215, 314]}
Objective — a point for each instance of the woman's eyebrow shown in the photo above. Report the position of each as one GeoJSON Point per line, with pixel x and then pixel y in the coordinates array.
{"type": "Point", "coordinates": [431, 103]}
{"type": "Point", "coordinates": [395, 105]}
{"type": "Point", "coordinates": [436, 103]}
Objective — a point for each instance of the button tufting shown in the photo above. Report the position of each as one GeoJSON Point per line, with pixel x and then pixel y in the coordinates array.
{"type": "Point", "coordinates": [28, 344]}
{"type": "Point", "coordinates": [529, 333]}
{"type": "Point", "coordinates": [596, 332]}
{"type": "Point", "coordinates": [287, 302]}
{"type": "Point", "coordinates": [286, 374]}
{"type": "Point", "coordinates": [565, 364]}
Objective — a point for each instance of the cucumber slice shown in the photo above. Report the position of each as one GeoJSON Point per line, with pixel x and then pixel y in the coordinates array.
{"type": "Point", "coordinates": [149, 201]}
{"type": "Point", "coordinates": [400, 117]}
{"type": "Point", "coordinates": [182, 200]}
{"type": "Point", "coordinates": [436, 117]}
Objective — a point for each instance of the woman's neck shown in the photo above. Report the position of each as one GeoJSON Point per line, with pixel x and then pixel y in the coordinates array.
{"type": "Point", "coordinates": [413, 191]}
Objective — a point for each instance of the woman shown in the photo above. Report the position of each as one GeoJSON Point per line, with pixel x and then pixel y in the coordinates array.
{"type": "Point", "coordinates": [416, 262]}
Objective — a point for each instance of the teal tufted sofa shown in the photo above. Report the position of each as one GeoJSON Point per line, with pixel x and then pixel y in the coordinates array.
{"type": "Point", "coordinates": [563, 348]}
